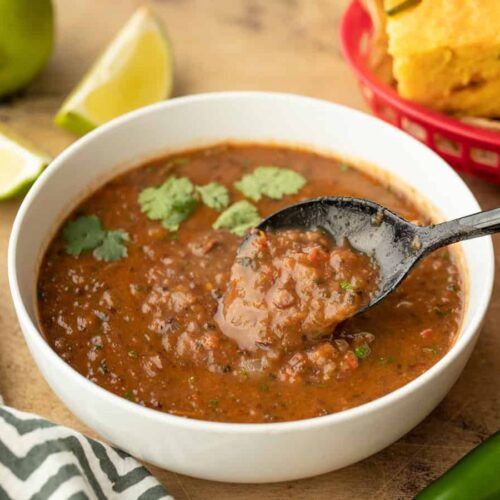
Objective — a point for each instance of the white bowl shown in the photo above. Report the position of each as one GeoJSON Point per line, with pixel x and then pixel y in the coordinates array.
{"type": "Point", "coordinates": [243, 452]}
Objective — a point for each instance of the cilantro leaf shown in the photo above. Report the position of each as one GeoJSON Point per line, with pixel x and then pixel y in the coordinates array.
{"type": "Point", "coordinates": [362, 351]}
{"type": "Point", "coordinates": [214, 195]}
{"type": "Point", "coordinates": [84, 233]}
{"type": "Point", "coordinates": [179, 213]}
{"type": "Point", "coordinates": [274, 182]}
{"type": "Point", "coordinates": [153, 204]}
{"type": "Point", "coordinates": [345, 285]}
{"type": "Point", "coordinates": [113, 246]}
{"type": "Point", "coordinates": [172, 202]}
{"type": "Point", "coordinates": [158, 202]}
{"type": "Point", "coordinates": [238, 218]}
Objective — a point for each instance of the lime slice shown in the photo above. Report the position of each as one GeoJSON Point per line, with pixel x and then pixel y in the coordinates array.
{"type": "Point", "coordinates": [136, 69]}
{"type": "Point", "coordinates": [20, 164]}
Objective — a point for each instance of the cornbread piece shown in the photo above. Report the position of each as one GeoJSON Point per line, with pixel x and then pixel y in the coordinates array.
{"type": "Point", "coordinates": [447, 54]}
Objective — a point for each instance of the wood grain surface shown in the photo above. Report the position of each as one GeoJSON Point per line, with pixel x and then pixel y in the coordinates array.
{"type": "Point", "coordinates": [283, 45]}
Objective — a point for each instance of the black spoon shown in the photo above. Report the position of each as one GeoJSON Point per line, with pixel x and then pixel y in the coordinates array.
{"type": "Point", "coordinates": [395, 244]}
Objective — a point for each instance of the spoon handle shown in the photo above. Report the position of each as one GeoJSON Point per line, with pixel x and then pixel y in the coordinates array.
{"type": "Point", "coordinates": [465, 228]}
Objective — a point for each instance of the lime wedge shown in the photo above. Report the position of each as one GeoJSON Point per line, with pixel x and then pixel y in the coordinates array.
{"type": "Point", "coordinates": [136, 69]}
{"type": "Point", "coordinates": [20, 164]}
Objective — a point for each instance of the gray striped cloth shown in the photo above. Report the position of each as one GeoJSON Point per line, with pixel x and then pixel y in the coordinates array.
{"type": "Point", "coordinates": [41, 460]}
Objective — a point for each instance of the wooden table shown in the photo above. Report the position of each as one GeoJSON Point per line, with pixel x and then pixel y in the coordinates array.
{"type": "Point", "coordinates": [284, 45]}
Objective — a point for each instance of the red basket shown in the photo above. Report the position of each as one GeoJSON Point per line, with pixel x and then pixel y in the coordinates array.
{"type": "Point", "coordinates": [468, 149]}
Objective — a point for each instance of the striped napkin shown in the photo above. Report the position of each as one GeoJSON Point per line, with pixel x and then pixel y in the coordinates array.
{"type": "Point", "coordinates": [41, 460]}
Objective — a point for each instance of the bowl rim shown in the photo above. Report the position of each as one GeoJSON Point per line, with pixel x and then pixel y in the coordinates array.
{"type": "Point", "coordinates": [364, 74]}
{"type": "Point", "coordinates": [31, 331]}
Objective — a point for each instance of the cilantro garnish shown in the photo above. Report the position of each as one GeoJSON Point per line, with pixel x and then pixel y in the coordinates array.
{"type": "Point", "coordinates": [172, 202]}
{"type": "Point", "coordinates": [432, 350]}
{"type": "Point", "coordinates": [345, 285]}
{"type": "Point", "coordinates": [274, 182]}
{"type": "Point", "coordinates": [362, 351]}
{"type": "Point", "coordinates": [386, 360]}
{"type": "Point", "coordinates": [129, 395]}
{"type": "Point", "coordinates": [238, 218]}
{"type": "Point", "coordinates": [179, 213]}
{"type": "Point", "coordinates": [214, 195]}
{"type": "Point", "coordinates": [86, 233]}
{"type": "Point", "coordinates": [113, 246]}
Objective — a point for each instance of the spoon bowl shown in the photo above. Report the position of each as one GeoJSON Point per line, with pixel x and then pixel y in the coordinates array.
{"type": "Point", "coordinates": [394, 244]}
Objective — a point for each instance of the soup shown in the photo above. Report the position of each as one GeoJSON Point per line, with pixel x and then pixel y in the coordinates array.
{"type": "Point", "coordinates": [136, 291]}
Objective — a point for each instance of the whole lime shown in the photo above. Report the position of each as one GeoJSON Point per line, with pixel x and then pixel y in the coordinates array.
{"type": "Point", "coordinates": [26, 41]}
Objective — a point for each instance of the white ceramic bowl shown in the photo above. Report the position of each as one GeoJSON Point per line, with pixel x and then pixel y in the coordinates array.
{"type": "Point", "coordinates": [243, 452]}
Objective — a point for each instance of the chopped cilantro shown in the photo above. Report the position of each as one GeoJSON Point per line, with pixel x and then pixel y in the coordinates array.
{"type": "Point", "coordinates": [345, 285]}
{"type": "Point", "coordinates": [274, 182]}
{"type": "Point", "coordinates": [432, 350]}
{"type": "Point", "coordinates": [132, 354]}
{"type": "Point", "coordinates": [84, 233]}
{"type": "Point", "coordinates": [386, 360]}
{"type": "Point", "coordinates": [172, 202]}
{"type": "Point", "coordinates": [213, 403]}
{"type": "Point", "coordinates": [263, 387]}
{"type": "Point", "coordinates": [153, 204]}
{"type": "Point", "coordinates": [113, 246]}
{"type": "Point", "coordinates": [344, 167]}
{"type": "Point", "coordinates": [214, 195]}
{"type": "Point", "coordinates": [238, 218]}
{"type": "Point", "coordinates": [129, 395]}
{"type": "Point", "coordinates": [179, 215]}
{"type": "Point", "coordinates": [362, 351]}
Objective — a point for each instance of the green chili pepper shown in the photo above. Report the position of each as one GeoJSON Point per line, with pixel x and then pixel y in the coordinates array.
{"type": "Point", "coordinates": [476, 476]}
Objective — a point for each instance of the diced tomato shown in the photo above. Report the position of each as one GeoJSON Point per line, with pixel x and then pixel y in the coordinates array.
{"type": "Point", "coordinates": [351, 360]}
{"type": "Point", "coordinates": [317, 255]}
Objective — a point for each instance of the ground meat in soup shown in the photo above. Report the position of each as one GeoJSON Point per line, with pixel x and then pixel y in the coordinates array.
{"type": "Point", "coordinates": [292, 288]}
{"type": "Point", "coordinates": [134, 303]}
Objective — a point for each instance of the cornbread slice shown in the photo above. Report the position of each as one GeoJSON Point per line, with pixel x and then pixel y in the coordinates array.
{"type": "Point", "coordinates": [447, 54]}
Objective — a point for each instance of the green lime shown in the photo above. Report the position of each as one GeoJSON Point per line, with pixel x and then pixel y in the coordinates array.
{"type": "Point", "coordinates": [26, 41]}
